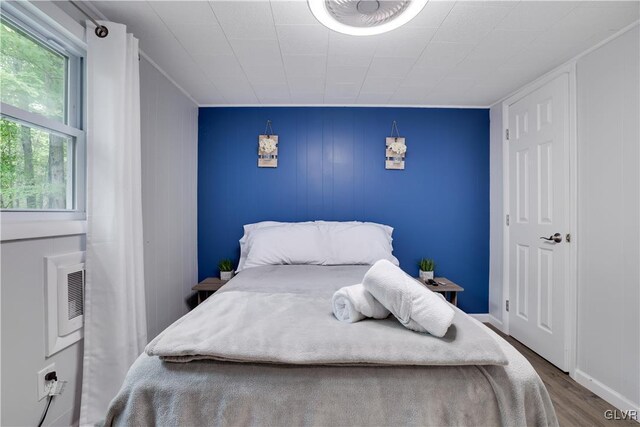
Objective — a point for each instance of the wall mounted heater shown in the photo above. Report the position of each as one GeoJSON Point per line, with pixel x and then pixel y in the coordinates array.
{"type": "Point", "coordinates": [70, 298]}
{"type": "Point", "coordinates": [64, 300]}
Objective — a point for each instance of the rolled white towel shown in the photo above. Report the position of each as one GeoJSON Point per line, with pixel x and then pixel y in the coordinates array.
{"type": "Point", "coordinates": [353, 303]}
{"type": "Point", "coordinates": [415, 306]}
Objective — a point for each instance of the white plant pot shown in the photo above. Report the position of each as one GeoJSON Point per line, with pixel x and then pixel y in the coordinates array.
{"type": "Point", "coordinates": [226, 275]}
{"type": "Point", "coordinates": [426, 275]}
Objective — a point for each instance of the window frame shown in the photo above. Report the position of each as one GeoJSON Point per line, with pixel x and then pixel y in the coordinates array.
{"type": "Point", "coordinates": [72, 126]}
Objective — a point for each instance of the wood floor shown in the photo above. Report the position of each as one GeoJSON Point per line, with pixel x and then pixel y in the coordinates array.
{"type": "Point", "coordinates": [574, 404]}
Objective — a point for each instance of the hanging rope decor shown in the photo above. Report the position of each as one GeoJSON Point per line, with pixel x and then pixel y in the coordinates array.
{"type": "Point", "coordinates": [396, 149]}
{"type": "Point", "coordinates": [268, 148]}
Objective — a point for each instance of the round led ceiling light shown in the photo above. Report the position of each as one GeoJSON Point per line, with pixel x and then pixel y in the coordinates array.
{"type": "Point", "coordinates": [365, 17]}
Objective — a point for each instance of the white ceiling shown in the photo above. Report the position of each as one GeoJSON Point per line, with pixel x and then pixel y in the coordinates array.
{"type": "Point", "coordinates": [275, 52]}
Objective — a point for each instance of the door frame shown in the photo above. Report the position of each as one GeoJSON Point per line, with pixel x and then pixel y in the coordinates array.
{"type": "Point", "coordinates": [571, 291]}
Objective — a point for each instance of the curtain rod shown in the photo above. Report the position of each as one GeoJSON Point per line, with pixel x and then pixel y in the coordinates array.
{"type": "Point", "coordinates": [101, 31]}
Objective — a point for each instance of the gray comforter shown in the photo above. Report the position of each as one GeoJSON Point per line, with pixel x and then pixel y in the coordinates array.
{"type": "Point", "coordinates": [277, 321]}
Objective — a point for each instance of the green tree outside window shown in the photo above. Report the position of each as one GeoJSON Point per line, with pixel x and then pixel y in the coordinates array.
{"type": "Point", "coordinates": [33, 162]}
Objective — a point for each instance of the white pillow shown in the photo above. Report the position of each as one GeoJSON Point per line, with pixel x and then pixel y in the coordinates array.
{"type": "Point", "coordinates": [388, 230]}
{"type": "Point", "coordinates": [248, 228]}
{"type": "Point", "coordinates": [286, 244]}
{"type": "Point", "coordinates": [359, 243]}
{"type": "Point", "coordinates": [319, 243]}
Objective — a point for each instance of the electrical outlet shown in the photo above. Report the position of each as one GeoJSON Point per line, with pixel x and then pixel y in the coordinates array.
{"type": "Point", "coordinates": [42, 383]}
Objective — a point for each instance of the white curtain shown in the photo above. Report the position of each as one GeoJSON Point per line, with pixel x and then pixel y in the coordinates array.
{"type": "Point", "coordinates": [115, 319]}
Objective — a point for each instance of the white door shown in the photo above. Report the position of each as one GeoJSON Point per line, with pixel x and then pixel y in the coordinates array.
{"type": "Point", "coordinates": [539, 219]}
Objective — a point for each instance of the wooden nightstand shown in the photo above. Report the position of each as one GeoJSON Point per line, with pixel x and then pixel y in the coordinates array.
{"type": "Point", "coordinates": [207, 287]}
{"type": "Point", "coordinates": [449, 289]}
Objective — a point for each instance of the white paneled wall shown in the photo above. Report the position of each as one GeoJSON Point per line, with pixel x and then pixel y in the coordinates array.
{"type": "Point", "coordinates": [608, 229]}
{"type": "Point", "coordinates": [169, 123]}
{"type": "Point", "coordinates": [23, 335]}
{"type": "Point", "coordinates": [609, 221]}
{"type": "Point", "coordinates": [169, 167]}
{"type": "Point", "coordinates": [496, 215]}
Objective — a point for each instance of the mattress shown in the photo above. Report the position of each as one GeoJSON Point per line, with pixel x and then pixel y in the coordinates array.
{"type": "Point", "coordinates": [214, 391]}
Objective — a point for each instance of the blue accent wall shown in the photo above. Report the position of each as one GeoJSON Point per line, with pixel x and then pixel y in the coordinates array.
{"type": "Point", "coordinates": [331, 167]}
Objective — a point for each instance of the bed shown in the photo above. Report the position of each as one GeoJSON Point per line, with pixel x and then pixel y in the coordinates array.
{"type": "Point", "coordinates": [214, 371]}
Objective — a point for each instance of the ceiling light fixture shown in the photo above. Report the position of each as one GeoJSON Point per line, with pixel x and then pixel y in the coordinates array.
{"type": "Point", "coordinates": [365, 17]}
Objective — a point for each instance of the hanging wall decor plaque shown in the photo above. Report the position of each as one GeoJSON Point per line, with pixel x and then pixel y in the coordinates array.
{"type": "Point", "coordinates": [396, 150]}
{"type": "Point", "coordinates": [268, 148]}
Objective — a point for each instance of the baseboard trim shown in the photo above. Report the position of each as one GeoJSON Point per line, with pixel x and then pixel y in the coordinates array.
{"type": "Point", "coordinates": [487, 318]}
{"type": "Point", "coordinates": [497, 323]}
{"type": "Point", "coordinates": [481, 317]}
{"type": "Point", "coordinates": [608, 394]}
{"type": "Point", "coordinates": [64, 417]}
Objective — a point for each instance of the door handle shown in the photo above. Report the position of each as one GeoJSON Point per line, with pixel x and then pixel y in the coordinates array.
{"type": "Point", "coordinates": [556, 238]}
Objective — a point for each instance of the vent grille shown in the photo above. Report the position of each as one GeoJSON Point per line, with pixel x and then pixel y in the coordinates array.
{"type": "Point", "coordinates": [365, 13]}
{"type": "Point", "coordinates": [75, 294]}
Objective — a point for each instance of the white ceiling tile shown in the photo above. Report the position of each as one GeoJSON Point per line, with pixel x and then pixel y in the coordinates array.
{"type": "Point", "coordinates": [307, 98]}
{"type": "Point", "coordinates": [432, 15]}
{"type": "Point", "coordinates": [536, 56]}
{"type": "Point", "coordinates": [454, 99]}
{"type": "Point", "coordinates": [292, 13]}
{"type": "Point", "coordinates": [220, 65]}
{"type": "Point", "coordinates": [200, 39]}
{"type": "Point", "coordinates": [306, 84]}
{"type": "Point", "coordinates": [457, 96]}
{"type": "Point", "coordinates": [459, 85]}
{"type": "Point", "coordinates": [630, 8]}
{"type": "Point", "coordinates": [184, 12]}
{"type": "Point", "coordinates": [380, 85]}
{"type": "Point", "coordinates": [390, 67]}
{"type": "Point", "coordinates": [566, 36]}
{"type": "Point", "coordinates": [238, 94]}
{"type": "Point", "coordinates": [305, 65]}
{"type": "Point", "coordinates": [498, 3]}
{"type": "Point", "coordinates": [410, 95]}
{"type": "Point", "coordinates": [342, 44]}
{"type": "Point", "coordinates": [257, 52]}
{"type": "Point", "coordinates": [425, 76]}
{"type": "Point", "coordinates": [349, 60]}
{"type": "Point", "coordinates": [468, 22]}
{"type": "Point", "coordinates": [443, 54]}
{"type": "Point", "coordinates": [200, 88]}
{"type": "Point", "coordinates": [303, 39]}
{"type": "Point", "coordinates": [583, 23]}
{"type": "Point", "coordinates": [346, 74]}
{"type": "Point", "coordinates": [473, 68]}
{"type": "Point", "coordinates": [487, 95]}
{"type": "Point", "coordinates": [169, 54]}
{"type": "Point", "coordinates": [373, 98]}
{"type": "Point", "coordinates": [337, 100]}
{"type": "Point", "coordinates": [342, 90]}
{"type": "Point", "coordinates": [245, 20]}
{"type": "Point", "coordinates": [500, 45]}
{"type": "Point", "coordinates": [228, 86]}
{"type": "Point", "coordinates": [272, 93]}
{"type": "Point", "coordinates": [509, 77]}
{"type": "Point", "coordinates": [265, 74]}
{"type": "Point", "coordinates": [480, 51]}
{"type": "Point", "coordinates": [611, 3]}
{"type": "Point", "coordinates": [535, 15]}
{"type": "Point", "coordinates": [206, 94]}
{"type": "Point", "coordinates": [406, 42]}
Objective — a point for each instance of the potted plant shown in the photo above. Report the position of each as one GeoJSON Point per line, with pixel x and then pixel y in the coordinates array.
{"type": "Point", "coordinates": [226, 269]}
{"type": "Point", "coordinates": [427, 265]}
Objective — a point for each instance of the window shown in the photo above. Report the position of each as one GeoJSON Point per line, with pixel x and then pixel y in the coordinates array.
{"type": "Point", "coordinates": [35, 167]}
{"type": "Point", "coordinates": [41, 136]}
